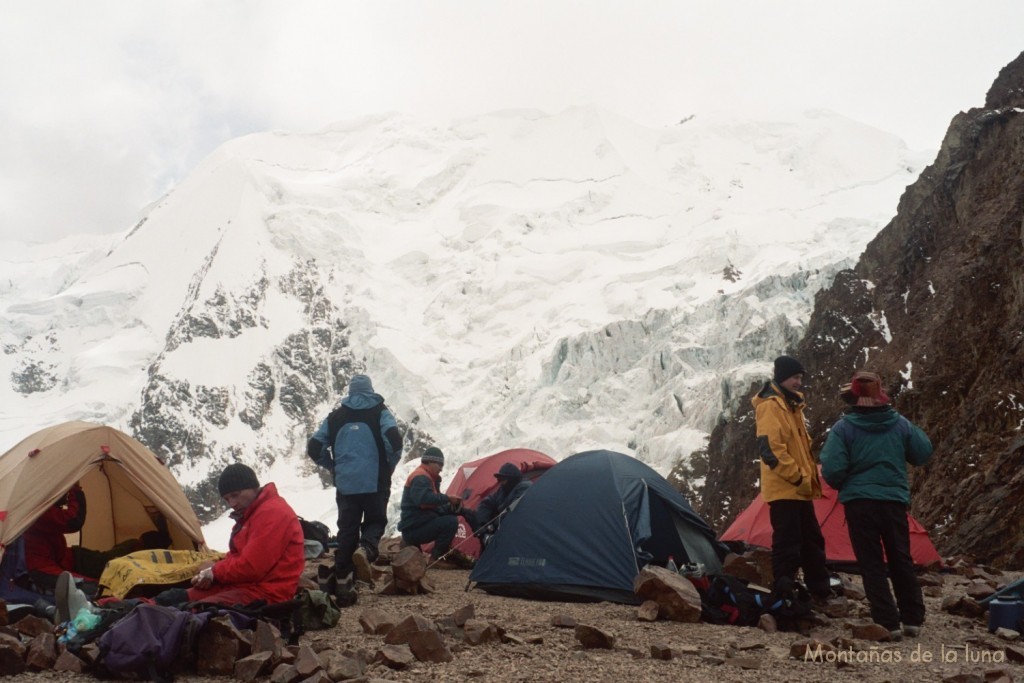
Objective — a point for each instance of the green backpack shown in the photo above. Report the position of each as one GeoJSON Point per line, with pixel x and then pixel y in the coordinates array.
{"type": "Point", "coordinates": [318, 610]}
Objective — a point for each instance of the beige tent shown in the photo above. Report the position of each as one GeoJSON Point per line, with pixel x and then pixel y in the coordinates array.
{"type": "Point", "coordinates": [127, 488]}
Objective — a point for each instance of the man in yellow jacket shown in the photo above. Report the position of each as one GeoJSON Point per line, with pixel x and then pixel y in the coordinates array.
{"type": "Point", "coordinates": [789, 480]}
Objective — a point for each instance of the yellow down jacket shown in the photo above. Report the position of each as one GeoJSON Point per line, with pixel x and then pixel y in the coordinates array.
{"type": "Point", "coordinates": [788, 470]}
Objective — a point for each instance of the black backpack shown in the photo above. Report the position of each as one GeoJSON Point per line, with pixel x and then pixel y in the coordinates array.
{"type": "Point", "coordinates": [731, 600]}
{"type": "Point", "coordinates": [315, 531]}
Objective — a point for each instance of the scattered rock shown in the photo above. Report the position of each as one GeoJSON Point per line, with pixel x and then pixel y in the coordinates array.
{"type": "Point", "coordinates": [266, 638]}
{"type": "Point", "coordinates": [377, 621]}
{"type": "Point", "coordinates": [1014, 654]}
{"type": "Point", "coordinates": [979, 590]}
{"type": "Point", "coordinates": [870, 631]}
{"type": "Point", "coordinates": [661, 651]}
{"type": "Point", "coordinates": [754, 566]}
{"type": "Point", "coordinates": [677, 598]}
{"type": "Point", "coordinates": [409, 566]}
{"type": "Point", "coordinates": [32, 626]}
{"type": "Point", "coordinates": [307, 662]}
{"type": "Point", "coordinates": [428, 646]}
{"type": "Point", "coordinates": [563, 621]}
{"type": "Point", "coordinates": [285, 673]}
{"type": "Point", "coordinates": [42, 652]}
{"type": "Point", "coordinates": [12, 655]}
{"type": "Point", "coordinates": [218, 648]}
{"type": "Point", "coordinates": [591, 637]}
{"type": "Point", "coordinates": [478, 632]}
{"type": "Point", "coordinates": [767, 623]}
{"type": "Point", "coordinates": [69, 662]}
{"type": "Point", "coordinates": [341, 667]}
{"type": "Point", "coordinates": [318, 677]}
{"type": "Point", "coordinates": [411, 624]}
{"type": "Point", "coordinates": [252, 667]}
{"type": "Point", "coordinates": [805, 648]}
{"type": "Point", "coordinates": [395, 656]}
{"type": "Point", "coordinates": [648, 611]}
{"type": "Point", "coordinates": [998, 676]}
{"type": "Point", "coordinates": [1007, 634]}
{"type": "Point", "coordinates": [463, 614]}
{"type": "Point", "coordinates": [852, 591]}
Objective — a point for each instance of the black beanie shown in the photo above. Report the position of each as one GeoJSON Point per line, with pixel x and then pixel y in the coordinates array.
{"type": "Point", "coordinates": [237, 477]}
{"type": "Point", "coordinates": [786, 367]}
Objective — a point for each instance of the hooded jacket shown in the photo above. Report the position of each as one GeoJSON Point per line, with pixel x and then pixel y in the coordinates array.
{"type": "Point", "coordinates": [365, 443]}
{"type": "Point", "coordinates": [866, 455]}
{"type": "Point", "coordinates": [788, 470]}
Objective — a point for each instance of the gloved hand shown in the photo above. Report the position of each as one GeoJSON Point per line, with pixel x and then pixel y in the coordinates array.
{"type": "Point", "coordinates": [803, 489]}
{"type": "Point", "coordinates": [455, 502]}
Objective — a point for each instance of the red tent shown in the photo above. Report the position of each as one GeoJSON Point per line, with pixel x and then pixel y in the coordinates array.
{"type": "Point", "coordinates": [754, 527]}
{"type": "Point", "coordinates": [474, 481]}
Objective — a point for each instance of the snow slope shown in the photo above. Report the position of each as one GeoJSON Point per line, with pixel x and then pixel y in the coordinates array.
{"type": "Point", "coordinates": [558, 282]}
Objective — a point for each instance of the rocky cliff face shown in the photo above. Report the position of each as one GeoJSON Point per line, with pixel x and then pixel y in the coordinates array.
{"type": "Point", "coordinates": [936, 305]}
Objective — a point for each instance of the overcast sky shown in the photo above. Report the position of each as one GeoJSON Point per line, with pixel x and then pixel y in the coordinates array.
{"type": "Point", "coordinates": [104, 105]}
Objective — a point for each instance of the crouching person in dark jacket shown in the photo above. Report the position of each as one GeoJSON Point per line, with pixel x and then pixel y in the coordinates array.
{"type": "Point", "coordinates": [429, 516]}
{"type": "Point", "coordinates": [487, 518]}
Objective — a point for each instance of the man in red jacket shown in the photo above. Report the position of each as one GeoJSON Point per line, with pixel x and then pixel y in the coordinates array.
{"type": "Point", "coordinates": [265, 554]}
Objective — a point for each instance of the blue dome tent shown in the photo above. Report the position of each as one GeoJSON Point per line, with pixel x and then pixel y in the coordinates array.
{"type": "Point", "coordinates": [585, 529]}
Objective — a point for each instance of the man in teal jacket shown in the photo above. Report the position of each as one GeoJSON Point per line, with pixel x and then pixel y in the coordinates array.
{"type": "Point", "coordinates": [865, 458]}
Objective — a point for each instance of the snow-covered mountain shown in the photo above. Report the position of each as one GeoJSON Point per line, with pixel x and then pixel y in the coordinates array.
{"type": "Point", "coordinates": [558, 282]}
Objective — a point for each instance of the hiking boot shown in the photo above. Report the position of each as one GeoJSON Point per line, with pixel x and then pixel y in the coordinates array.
{"type": "Point", "coordinates": [345, 591]}
{"type": "Point", "coordinates": [896, 636]}
{"type": "Point", "coordinates": [325, 579]}
{"type": "Point", "coordinates": [911, 631]}
{"type": "Point", "coordinates": [69, 599]}
{"type": "Point", "coordinates": [462, 561]}
{"type": "Point", "coordinates": [361, 561]}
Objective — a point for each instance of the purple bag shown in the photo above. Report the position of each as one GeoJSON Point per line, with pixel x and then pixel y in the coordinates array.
{"type": "Point", "coordinates": [148, 640]}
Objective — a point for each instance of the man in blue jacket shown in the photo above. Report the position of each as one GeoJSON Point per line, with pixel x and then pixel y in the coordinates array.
{"type": "Point", "coordinates": [865, 458]}
{"type": "Point", "coordinates": [361, 444]}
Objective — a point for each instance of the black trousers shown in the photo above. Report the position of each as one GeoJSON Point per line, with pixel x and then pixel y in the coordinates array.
{"type": "Point", "coordinates": [361, 521]}
{"type": "Point", "coordinates": [880, 537]}
{"type": "Point", "coordinates": [797, 543]}
{"type": "Point", "coordinates": [439, 530]}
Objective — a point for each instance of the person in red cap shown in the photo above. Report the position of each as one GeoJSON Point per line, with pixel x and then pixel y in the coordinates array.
{"type": "Point", "coordinates": [865, 458]}
{"type": "Point", "coordinates": [789, 481]}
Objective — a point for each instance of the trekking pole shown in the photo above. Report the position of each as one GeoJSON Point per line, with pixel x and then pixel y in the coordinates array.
{"type": "Point", "coordinates": [466, 539]}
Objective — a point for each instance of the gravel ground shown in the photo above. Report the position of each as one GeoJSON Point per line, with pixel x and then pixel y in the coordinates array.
{"type": "Point", "coordinates": [949, 645]}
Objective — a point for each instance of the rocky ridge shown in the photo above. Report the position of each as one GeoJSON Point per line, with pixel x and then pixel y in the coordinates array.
{"type": "Point", "coordinates": [936, 306]}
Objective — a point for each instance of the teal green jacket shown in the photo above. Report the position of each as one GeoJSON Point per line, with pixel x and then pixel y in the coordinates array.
{"type": "Point", "coordinates": [866, 455]}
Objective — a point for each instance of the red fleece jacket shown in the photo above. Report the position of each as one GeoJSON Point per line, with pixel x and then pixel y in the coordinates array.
{"type": "Point", "coordinates": [266, 554]}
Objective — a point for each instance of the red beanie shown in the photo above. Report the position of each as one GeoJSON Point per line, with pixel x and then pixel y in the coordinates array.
{"type": "Point", "coordinates": [867, 387]}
